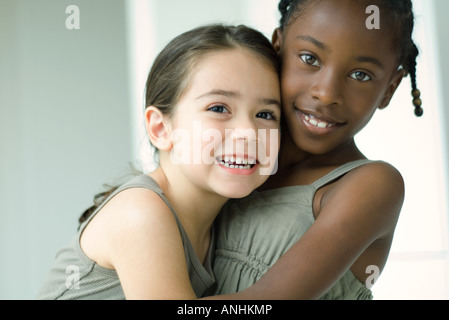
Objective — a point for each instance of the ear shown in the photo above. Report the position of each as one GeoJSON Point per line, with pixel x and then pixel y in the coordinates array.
{"type": "Point", "coordinates": [158, 129]}
{"type": "Point", "coordinates": [394, 84]}
{"type": "Point", "coordinates": [276, 40]}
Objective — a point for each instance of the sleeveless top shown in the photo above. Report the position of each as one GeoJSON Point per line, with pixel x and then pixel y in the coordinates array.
{"type": "Point", "coordinates": [254, 232]}
{"type": "Point", "coordinates": [75, 277]}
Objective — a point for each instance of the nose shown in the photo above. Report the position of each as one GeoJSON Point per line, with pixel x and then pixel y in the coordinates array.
{"type": "Point", "coordinates": [242, 137]}
{"type": "Point", "coordinates": [327, 87]}
{"type": "Point", "coordinates": [244, 128]}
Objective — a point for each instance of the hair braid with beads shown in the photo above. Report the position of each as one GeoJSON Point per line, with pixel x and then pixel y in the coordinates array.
{"type": "Point", "coordinates": [401, 15]}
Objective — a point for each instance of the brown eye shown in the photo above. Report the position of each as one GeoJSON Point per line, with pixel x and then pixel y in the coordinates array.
{"type": "Point", "coordinates": [309, 59]}
{"type": "Point", "coordinates": [360, 76]}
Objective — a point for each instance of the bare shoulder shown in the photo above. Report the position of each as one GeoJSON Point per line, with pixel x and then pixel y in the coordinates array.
{"type": "Point", "coordinates": [132, 217]}
{"type": "Point", "coordinates": [373, 193]}
{"type": "Point", "coordinates": [136, 212]}
{"type": "Point", "coordinates": [379, 177]}
{"type": "Point", "coordinates": [137, 235]}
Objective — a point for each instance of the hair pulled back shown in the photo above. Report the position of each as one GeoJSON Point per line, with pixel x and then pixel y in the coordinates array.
{"type": "Point", "coordinates": [169, 76]}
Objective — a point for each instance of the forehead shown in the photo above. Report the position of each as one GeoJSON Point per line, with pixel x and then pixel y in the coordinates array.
{"type": "Point", "coordinates": [344, 23]}
{"type": "Point", "coordinates": [231, 69]}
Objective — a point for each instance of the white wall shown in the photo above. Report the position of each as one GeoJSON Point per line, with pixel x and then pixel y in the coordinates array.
{"type": "Point", "coordinates": [64, 127]}
{"type": "Point", "coordinates": [418, 267]}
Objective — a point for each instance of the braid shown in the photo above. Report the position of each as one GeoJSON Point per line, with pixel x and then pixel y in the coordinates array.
{"type": "Point", "coordinates": [284, 7]}
{"type": "Point", "coordinates": [402, 11]}
{"type": "Point", "coordinates": [417, 102]}
{"type": "Point", "coordinates": [287, 8]}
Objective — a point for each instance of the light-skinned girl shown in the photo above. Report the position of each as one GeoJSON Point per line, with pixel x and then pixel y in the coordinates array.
{"type": "Point", "coordinates": [213, 114]}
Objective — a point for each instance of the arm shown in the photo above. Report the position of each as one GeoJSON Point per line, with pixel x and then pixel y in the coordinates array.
{"type": "Point", "coordinates": [358, 212]}
{"type": "Point", "coordinates": [145, 248]}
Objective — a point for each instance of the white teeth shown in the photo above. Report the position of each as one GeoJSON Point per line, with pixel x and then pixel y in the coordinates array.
{"type": "Point", "coordinates": [322, 125]}
{"type": "Point", "coordinates": [241, 167]}
{"type": "Point", "coordinates": [317, 123]}
{"type": "Point", "coordinates": [237, 163]}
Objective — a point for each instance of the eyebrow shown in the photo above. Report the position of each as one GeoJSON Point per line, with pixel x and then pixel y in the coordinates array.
{"type": "Point", "coordinates": [236, 94]}
{"type": "Point", "coordinates": [316, 42]}
{"type": "Point", "coordinates": [269, 102]}
{"type": "Point", "coordinates": [219, 92]}
{"type": "Point", "coordinates": [370, 60]}
{"type": "Point", "coordinates": [322, 46]}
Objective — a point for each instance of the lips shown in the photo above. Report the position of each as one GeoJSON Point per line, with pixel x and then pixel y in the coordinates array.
{"type": "Point", "coordinates": [318, 124]}
{"type": "Point", "coordinates": [237, 162]}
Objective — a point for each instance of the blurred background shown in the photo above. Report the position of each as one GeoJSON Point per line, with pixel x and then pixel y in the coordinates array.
{"type": "Point", "coordinates": [70, 121]}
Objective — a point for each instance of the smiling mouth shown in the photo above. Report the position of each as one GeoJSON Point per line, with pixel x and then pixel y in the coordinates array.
{"type": "Point", "coordinates": [235, 162]}
{"type": "Point", "coordinates": [317, 122]}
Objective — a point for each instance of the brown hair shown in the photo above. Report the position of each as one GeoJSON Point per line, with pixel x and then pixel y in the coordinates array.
{"type": "Point", "coordinates": [171, 71]}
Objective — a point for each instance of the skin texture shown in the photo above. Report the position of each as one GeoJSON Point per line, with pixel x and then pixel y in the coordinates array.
{"type": "Point", "coordinates": [135, 233]}
{"type": "Point", "coordinates": [339, 73]}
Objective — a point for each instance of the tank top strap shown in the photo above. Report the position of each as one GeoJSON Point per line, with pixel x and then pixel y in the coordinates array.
{"type": "Point", "coordinates": [339, 172]}
{"type": "Point", "coordinates": [145, 182]}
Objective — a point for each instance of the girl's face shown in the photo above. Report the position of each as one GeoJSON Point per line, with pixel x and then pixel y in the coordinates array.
{"type": "Point", "coordinates": [335, 74]}
{"type": "Point", "coordinates": [225, 129]}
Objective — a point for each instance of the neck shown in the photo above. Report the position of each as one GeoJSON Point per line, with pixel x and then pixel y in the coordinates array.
{"type": "Point", "coordinates": [196, 209]}
{"type": "Point", "coordinates": [291, 155]}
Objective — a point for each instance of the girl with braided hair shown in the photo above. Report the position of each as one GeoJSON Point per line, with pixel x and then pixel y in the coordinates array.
{"type": "Point", "coordinates": [322, 227]}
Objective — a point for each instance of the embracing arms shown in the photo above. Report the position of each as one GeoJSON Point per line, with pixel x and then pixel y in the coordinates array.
{"type": "Point", "coordinates": [356, 220]}
{"type": "Point", "coordinates": [357, 216]}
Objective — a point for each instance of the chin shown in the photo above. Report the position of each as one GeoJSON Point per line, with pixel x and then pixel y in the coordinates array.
{"type": "Point", "coordinates": [236, 192]}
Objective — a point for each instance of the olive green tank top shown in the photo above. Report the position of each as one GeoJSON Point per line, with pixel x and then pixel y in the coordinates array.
{"type": "Point", "coordinates": [254, 232]}
{"type": "Point", "coordinates": [75, 277]}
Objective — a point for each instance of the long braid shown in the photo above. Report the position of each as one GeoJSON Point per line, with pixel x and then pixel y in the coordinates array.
{"type": "Point", "coordinates": [284, 9]}
{"type": "Point", "coordinates": [402, 11]}
{"type": "Point", "coordinates": [417, 102]}
{"type": "Point", "coordinates": [401, 14]}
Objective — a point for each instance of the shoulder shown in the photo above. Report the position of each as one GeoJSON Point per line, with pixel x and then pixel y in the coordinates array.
{"type": "Point", "coordinates": [139, 211]}
{"type": "Point", "coordinates": [134, 217]}
{"type": "Point", "coordinates": [377, 171]}
{"type": "Point", "coordinates": [380, 178]}
{"type": "Point", "coordinates": [373, 193]}
{"type": "Point", "coordinates": [145, 247]}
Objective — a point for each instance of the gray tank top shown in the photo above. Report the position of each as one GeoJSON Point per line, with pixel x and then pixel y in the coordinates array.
{"type": "Point", "coordinates": [254, 232]}
{"type": "Point", "coordinates": [75, 277]}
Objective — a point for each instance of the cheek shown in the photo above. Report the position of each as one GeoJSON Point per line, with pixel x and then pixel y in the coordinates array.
{"type": "Point", "coordinates": [293, 84]}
